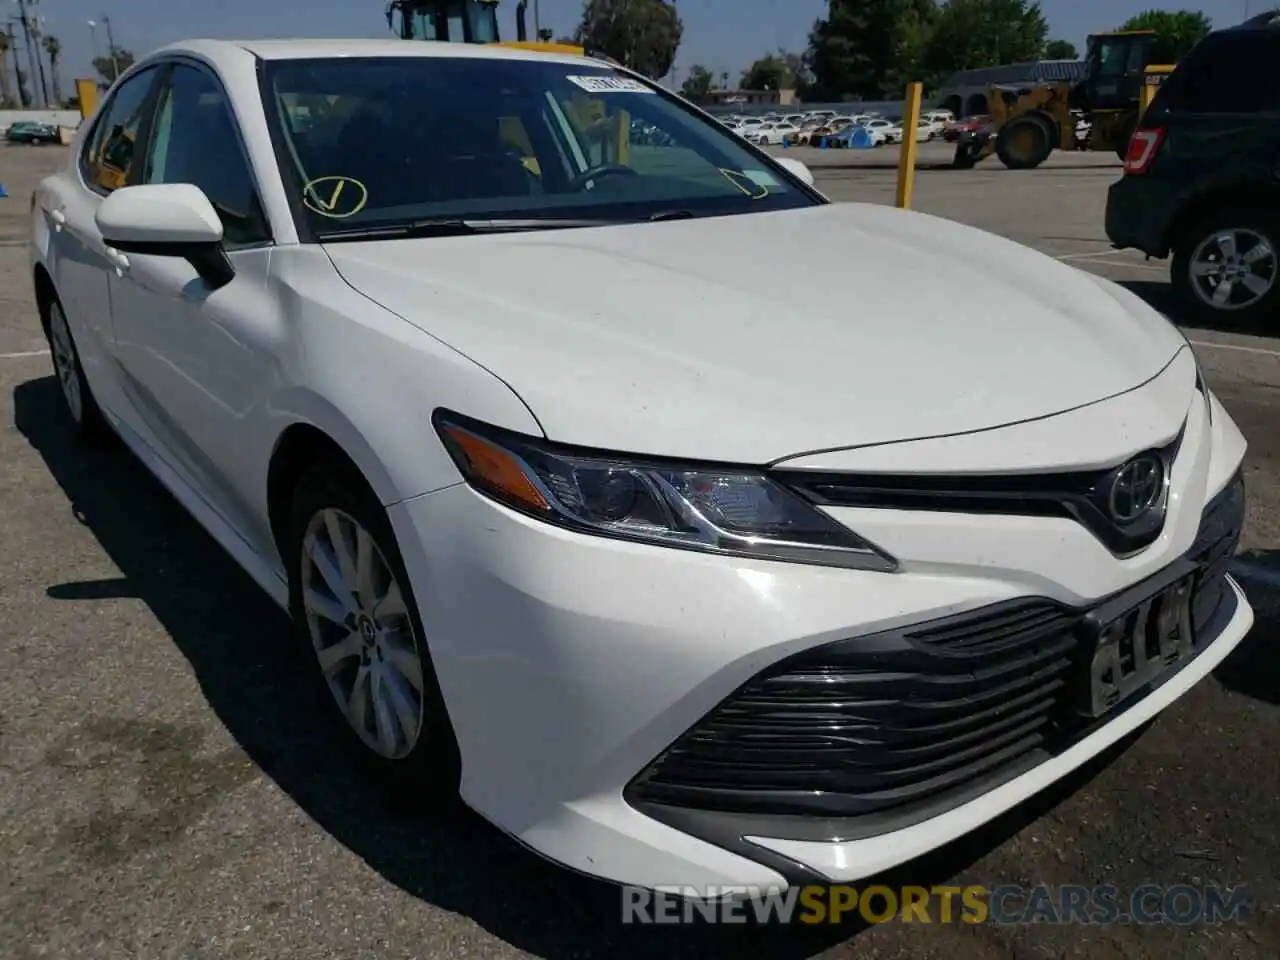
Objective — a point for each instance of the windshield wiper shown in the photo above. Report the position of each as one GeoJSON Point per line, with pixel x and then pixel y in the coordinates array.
{"type": "Point", "coordinates": [672, 215]}
{"type": "Point", "coordinates": [458, 227]}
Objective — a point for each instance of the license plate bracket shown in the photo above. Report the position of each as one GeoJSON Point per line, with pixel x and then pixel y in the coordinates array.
{"type": "Point", "coordinates": [1136, 637]}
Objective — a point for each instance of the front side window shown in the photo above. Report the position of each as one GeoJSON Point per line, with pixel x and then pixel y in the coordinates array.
{"type": "Point", "coordinates": [109, 153]}
{"type": "Point", "coordinates": [402, 139]}
{"type": "Point", "coordinates": [196, 141]}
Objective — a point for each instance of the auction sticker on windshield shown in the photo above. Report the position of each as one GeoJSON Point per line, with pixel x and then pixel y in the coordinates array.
{"type": "Point", "coordinates": [609, 85]}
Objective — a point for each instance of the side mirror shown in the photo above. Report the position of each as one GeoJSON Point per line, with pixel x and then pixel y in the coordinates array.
{"type": "Point", "coordinates": [167, 220]}
{"type": "Point", "coordinates": [797, 168]}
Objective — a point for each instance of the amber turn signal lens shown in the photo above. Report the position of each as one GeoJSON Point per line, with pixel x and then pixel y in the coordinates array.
{"type": "Point", "coordinates": [495, 469]}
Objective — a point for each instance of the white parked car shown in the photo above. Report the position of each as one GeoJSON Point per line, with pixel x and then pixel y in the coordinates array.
{"type": "Point", "coordinates": [666, 602]}
{"type": "Point", "coordinates": [884, 131]}
{"type": "Point", "coordinates": [776, 133]}
{"type": "Point", "coordinates": [928, 129]}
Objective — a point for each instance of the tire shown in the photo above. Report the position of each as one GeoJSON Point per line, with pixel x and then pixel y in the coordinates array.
{"type": "Point", "coordinates": [78, 403]}
{"type": "Point", "coordinates": [383, 639]}
{"type": "Point", "coordinates": [1202, 260]}
{"type": "Point", "coordinates": [1024, 143]}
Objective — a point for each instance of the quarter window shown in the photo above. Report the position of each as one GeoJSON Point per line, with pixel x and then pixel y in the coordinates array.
{"type": "Point", "coordinates": [196, 141]}
{"type": "Point", "coordinates": [110, 152]}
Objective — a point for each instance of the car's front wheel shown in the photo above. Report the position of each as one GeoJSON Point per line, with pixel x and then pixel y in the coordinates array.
{"type": "Point", "coordinates": [78, 402]}
{"type": "Point", "coordinates": [361, 633]}
{"type": "Point", "coordinates": [1226, 267]}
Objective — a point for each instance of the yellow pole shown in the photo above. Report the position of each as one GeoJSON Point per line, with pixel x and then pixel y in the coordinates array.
{"type": "Point", "coordinates": [907, 157]}
{"type": "Point", "coordinates": [87, 93]}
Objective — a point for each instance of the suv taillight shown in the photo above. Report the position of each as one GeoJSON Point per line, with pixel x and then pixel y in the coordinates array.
{"type": "Point", "coordinates": [1143, 146]}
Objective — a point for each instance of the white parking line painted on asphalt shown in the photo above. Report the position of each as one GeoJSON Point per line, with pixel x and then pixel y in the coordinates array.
{"type": "Point", "coordinates": [1090, 256]}
{"type": "Point", "coordinates": [1235, 346]}
{"type": "Point", "coordinates": [1128, 264]}
{"type": "Point", "coordinates": [1254, 573]}
{"type": "Point", "coordinates": [25, 353]}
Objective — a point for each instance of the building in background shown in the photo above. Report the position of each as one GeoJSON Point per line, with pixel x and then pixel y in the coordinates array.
{"type": "Point", "coordinates": [751, 98]}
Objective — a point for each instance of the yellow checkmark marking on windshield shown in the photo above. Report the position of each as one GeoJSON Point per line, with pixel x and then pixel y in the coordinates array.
{"type": "Point", "coordinates": [341, 202]}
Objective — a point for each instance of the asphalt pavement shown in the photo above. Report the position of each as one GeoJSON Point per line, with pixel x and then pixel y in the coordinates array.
{"type": "Point", "coordinates": [166, 792]}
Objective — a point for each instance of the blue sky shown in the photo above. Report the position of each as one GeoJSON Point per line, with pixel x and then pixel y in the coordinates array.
{"type": "Point", "coordinates": [720, 34]}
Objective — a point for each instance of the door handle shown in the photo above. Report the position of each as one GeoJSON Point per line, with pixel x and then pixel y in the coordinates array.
{"type": "Point", "coordinates": [117, 260]}
{"type": "Point", "coordinates": [59, 219]}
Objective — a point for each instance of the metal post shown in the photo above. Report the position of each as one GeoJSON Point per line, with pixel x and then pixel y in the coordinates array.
{"type": "Point", "coordinates": [111, 49]}
{"type": "Point", "coordinates": [907, 155]}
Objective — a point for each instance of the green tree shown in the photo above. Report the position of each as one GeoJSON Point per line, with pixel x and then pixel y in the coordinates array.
{"type": "Point", "coordinates": [641, 34]}
{"type": "Point", "coordinates": [697, 84]}
{"type": "Point", "coordinates": [984, 33]}
{"type": "Point", "coordinates": [1176, 32]}
{"type": "Point", "coordinates": [110, 67]}
{"type": "Point", "coordinates": [53, 47]}
{"type": "Point", "coordinates": [777, 71]}
{"type": "Point", "coordinates": [868, 48]}
{"type": "Point", "coordinates": [1061, 50]}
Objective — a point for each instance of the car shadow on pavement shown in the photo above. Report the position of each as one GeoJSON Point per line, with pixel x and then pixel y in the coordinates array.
{"type": "Point", "coordinates": [1160, 294]}
{"type": "Point", "coordinates": [236, 641]}
{"type": "Point", "coordinates": [1253, 668]}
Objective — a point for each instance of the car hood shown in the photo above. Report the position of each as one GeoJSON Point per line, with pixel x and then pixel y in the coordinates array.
{"type": "Point", "coordinates": [694, 338]}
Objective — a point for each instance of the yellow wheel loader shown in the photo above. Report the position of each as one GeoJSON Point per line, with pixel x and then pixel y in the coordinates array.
{"type": "Point", "coordinates": [1028, 124]}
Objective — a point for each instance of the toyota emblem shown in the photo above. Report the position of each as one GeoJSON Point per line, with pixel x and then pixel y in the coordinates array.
{"type": "Point", "coordinates": [1136, 489]}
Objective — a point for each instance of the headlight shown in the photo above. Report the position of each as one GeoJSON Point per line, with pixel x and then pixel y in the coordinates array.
{"type": "Point", "coordinates": [712, 509]}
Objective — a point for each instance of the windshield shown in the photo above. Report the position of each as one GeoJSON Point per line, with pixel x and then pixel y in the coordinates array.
{"type": "Point", "coordinates": [396, 140]}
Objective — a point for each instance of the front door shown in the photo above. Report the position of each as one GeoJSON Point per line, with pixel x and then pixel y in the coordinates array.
{"type": "Point", "coordinates": [198, 360]}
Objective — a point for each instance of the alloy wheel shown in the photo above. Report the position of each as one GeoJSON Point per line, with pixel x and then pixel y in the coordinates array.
{"type": "Point", "coordinates": [1233, 269]}
{"type": "Point", "coordinates": [65, 364]}
{"type": "Point", "coordinates": [362, 634]}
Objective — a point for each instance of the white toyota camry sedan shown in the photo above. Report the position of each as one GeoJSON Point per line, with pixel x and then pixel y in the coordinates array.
{"type": "Point", "coordinates": [577, 513]}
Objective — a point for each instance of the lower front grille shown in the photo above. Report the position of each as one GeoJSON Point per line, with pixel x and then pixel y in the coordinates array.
{"type": "Point", "coordinates": [904, 718]}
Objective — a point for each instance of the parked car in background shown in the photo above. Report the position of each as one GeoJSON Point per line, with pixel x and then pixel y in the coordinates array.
{"type": "Point", "coordinates": [772, 134]}
{"type": "Point", "coordinates": [968, 125]}
{"type": "Point", "coordinates": [32, 131]}
{"type": "Point", "coordinates": [927, 129]}
{"type": "Point", "coordinates": [1199, 180]}
{"type": "Point", "coordinates": [886, 130]}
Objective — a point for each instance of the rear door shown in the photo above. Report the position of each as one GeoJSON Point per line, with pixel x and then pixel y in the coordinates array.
{"type": "Point", "coordinates": [1220, 113]}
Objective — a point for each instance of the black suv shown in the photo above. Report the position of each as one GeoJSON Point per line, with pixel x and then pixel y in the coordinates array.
{"type": "Point", "coordinates": [1202, 175]}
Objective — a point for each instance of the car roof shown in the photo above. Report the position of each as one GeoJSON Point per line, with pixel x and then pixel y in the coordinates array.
{"type": "Point", "coordinates": [306, 49]}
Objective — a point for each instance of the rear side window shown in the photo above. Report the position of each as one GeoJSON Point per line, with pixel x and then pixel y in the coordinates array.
{"type": "Point", "coordinates": [1225, 73]}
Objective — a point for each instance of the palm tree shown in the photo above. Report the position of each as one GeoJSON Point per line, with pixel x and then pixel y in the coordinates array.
{"type": "Point", "coordinates": [6, 92]}
{"type": "Point", "coordinates": [54, 49]}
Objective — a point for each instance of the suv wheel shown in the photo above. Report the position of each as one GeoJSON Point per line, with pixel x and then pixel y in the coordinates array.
{"type": "Point", "coordinates": [1227, 266]}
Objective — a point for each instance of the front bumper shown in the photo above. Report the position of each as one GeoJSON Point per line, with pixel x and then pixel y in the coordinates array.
{"type": "Point", "coordinates": [570, 663]}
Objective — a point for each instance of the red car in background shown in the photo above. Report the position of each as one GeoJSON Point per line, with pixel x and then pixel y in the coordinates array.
{"type": "Point", "coordinates": [967, 125]}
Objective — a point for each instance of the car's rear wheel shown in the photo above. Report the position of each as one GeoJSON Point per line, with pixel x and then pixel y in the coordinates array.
{"type": "Point", "coordinates": [358, 620]}
{"type": "Point", "coordinates": [1226, 267]}
{"type": "Point", "coordinates": [78, 402]}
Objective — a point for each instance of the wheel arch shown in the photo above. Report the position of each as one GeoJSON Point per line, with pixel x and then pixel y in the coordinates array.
{"type": "Point", "coordinates": [1252, 196]}
{"type": "Point", "coordinates": [46, 293]}
{"type": "Point", "coordinates": [302, 445]}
